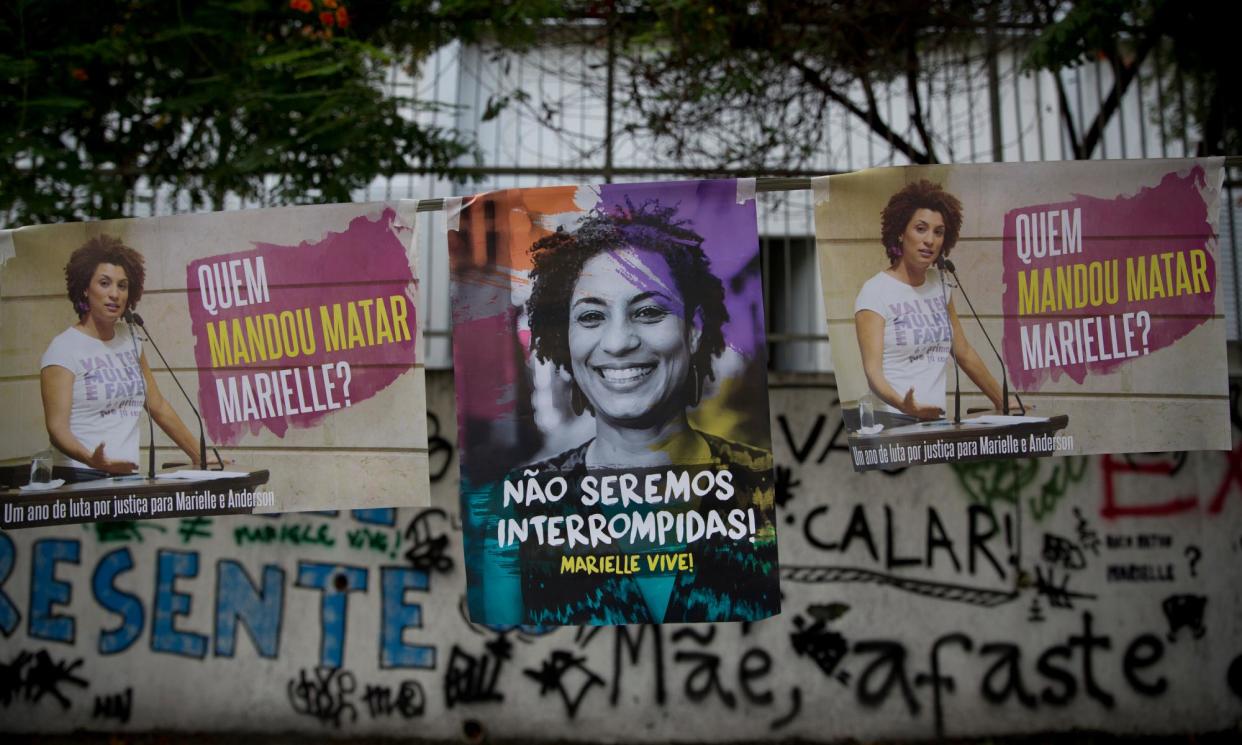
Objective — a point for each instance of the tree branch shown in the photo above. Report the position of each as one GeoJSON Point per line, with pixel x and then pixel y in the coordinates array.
{"type": "Point", "coordinates": [912, 85]}
{"type": "Point", "coordinates": [1123, 75]}
{"type": "Point", "coordinates": [1068, 118]}
{"type": "Point", "coordinates": [871, 115]}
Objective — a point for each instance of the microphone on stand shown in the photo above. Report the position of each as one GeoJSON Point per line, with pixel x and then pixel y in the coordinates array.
{"type": "Point", "coordinates": [941, 262]}
{"type": "Point", "coordinates": [1004, 376]}
{"type": "Point", "coordinates": [134, 318]}
{"type": "Point", "coordinates": [129, 317]}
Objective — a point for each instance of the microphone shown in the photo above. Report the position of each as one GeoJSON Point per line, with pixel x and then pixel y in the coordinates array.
{"type": "Point", "coordinates": [1004, 376]}
{"type": "Point", "coordinates": [134, 318]}
{"type": "Point", "coordinates": [941, 261]}
{"type": "Point", "coordinates": [129, 316]}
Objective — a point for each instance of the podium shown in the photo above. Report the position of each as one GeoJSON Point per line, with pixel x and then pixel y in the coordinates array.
{"type": "Point", "coordinates": [135, 498]}
{"type": "Point", "coordinates": [943, 441]}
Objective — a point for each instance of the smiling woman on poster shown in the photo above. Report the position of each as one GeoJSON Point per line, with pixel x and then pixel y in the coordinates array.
{"type": "Point", "coordinates": [94, 376]}
{"type": "Point", "coordinates": [905, 317]}
{"type": "Point", "coordinates": [627, 306]}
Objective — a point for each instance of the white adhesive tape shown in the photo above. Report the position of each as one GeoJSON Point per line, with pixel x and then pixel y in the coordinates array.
{"type": "Point", "coordinates": [7, 249]}
{"type": "Point", "coordinates": [407, 211]}
{"type": "Point", "coordinates": [819, 189]}
{"type": "Point", "coordinates": [745, 190]}
{"type": "Point", "coordinates": [452, 211]}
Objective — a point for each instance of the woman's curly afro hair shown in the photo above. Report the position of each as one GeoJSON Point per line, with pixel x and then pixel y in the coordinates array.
{"type": "Point", "coordinates": [102, 249]}
{"type": "Point", "coordinates": [559, 258]}
{"type": "Point", "coordinates": [901, 207]}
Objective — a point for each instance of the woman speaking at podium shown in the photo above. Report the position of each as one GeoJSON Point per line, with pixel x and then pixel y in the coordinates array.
{"type": "Point", "coordinates": [904, 316]}
{"type": "Point", "coordinates": [95, 379]}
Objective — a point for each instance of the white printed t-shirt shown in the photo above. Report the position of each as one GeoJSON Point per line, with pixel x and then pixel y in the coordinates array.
{"type": "Point", "coordinates": [917, 335]}
{"type": "Point", "coordinates": [108, 391]}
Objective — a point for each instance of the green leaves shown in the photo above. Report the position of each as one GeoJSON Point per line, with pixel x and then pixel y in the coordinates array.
{"type": "Point", "coordinates": [762, 76]}
{"type": "Point", "coordinates": [290, 55]}
{"type": "Point", "coordinates": [1192, 43]}
{"type": "Point", "coordinates": [319, 71]}
{"type": "Point", "coordinates": [55, 102]}
{"type": "Point", "coordinates": [1085, 32]}
{"type": "Point", "coordinates": [272, 100]}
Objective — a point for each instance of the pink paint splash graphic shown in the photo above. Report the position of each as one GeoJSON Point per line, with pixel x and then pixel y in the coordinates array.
{"type": "Point", "coordinates": [488, 365]}
{"type": "Point", "coordinates": [1145, 277]}
{"type": "Point", "coordinates": [325, 325]}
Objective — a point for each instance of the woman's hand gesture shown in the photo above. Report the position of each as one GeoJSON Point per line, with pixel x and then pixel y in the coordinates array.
{"type": "Point", "coordinates": [916, 409]}
{"type": "Point", "coordinates": [102, 462]}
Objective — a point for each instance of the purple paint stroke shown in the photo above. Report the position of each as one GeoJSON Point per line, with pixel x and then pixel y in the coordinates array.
{"type": "Point", "coordinates": [365, 261]}
{"type": "Point", "coordinates": [730, 241]}
{"type": "Point", "coordinates": [648, 276]}
{"type": "Point", "coordinates": [1170, 217]}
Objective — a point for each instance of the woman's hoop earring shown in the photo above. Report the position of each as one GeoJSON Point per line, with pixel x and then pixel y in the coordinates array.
{"type": "Point", "coordinates": [698, 382]}
{"type": "Point", "coordinates": [577, 401]}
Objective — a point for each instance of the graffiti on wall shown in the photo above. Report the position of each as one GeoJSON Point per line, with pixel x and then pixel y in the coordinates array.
{"type": "Point", "coordinates": [1044, 594]}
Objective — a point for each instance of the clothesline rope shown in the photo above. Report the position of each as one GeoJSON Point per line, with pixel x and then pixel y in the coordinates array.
{"type": "Point", "coordinates": [778, 183]}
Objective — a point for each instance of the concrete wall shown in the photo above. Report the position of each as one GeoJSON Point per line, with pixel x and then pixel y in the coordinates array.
{"type": "Point", "coordinates": [1083, 592]}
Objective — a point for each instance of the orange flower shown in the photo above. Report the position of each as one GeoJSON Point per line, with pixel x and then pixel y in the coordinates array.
{"type": "Point", "coordinates": [329, 4]}
{"type": "Point", "coordinates": [327, 18]}
{"type": "Point", "coordinates": [78, 73]}
{"type": "Point", "coordinates": [342, 18]}
{"type": "Point", "coordinates": [302, 5]}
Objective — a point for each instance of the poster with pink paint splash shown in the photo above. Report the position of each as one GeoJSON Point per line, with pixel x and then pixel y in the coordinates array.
{"type": "Point", "coordinates": [1025, 310]}
{"type": "Point", "coordinates": [292, 332]}
{"type": "Point", "coordinates": [610, 365]}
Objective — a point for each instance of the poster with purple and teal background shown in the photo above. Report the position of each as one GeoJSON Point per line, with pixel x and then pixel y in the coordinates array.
{"type": "Point", "coordinates": [610, 366]}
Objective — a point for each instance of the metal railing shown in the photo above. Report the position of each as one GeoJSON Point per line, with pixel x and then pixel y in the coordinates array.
{"type": "Point", "coordinates": [560, 133]}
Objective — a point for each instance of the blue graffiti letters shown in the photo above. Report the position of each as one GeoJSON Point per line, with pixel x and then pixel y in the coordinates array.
{"type": "Point", "coordinates": [9, 615]}
{"type": "Point", "coordinates": [237, 599]}
{"type": "Point", "coordinates": [117, 601]}
{"type": "Point", "coordinates": [165, 637]}
{"type": "Point", "coordinates": [46, 591]}
{"type": "Point", "coordinates": [398, 615]}
{"type": "Point", "coordinates": [335, 582]}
